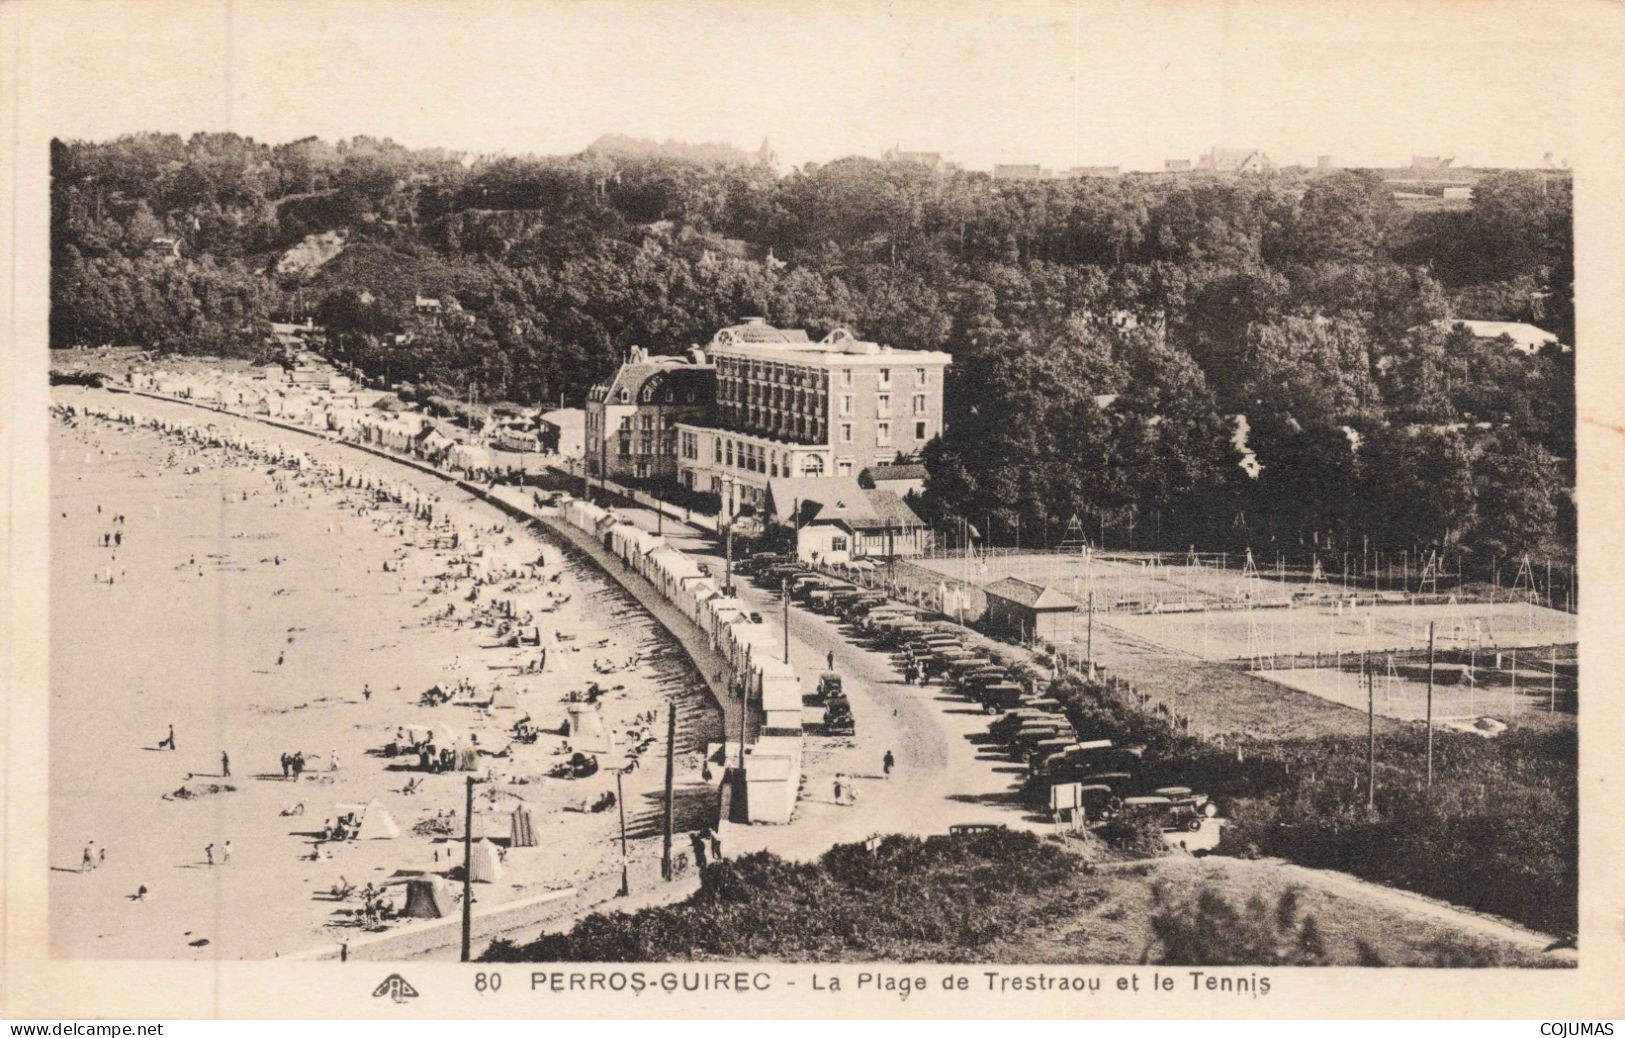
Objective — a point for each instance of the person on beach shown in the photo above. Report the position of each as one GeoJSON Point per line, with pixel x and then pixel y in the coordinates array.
{"type": "Point", "coordinates": [225, 765]}
{"type": "Point", "coordinates": [208, 854]}
{"type": "Point", "coordinates": [225, 854]}
{"type": "Point", "coordinates": [101, 856]}
{"type": "Point", "coordinates": [888, 762]}
{"type": "Point", "coordinates": [366, 693]}
{"type": "Point", "coordinates": [87, 861]}
{"type": "Point", "coordinates": [168, 741]}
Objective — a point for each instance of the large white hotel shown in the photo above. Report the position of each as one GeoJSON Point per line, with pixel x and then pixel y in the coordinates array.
{"type": "Point", "coordinates": [789, 406]}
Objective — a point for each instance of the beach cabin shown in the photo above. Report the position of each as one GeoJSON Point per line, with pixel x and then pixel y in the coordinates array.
{"type": "Point", "coordinates": [779, 687]}
{"type": "Point", "coordinates": [772, 779]}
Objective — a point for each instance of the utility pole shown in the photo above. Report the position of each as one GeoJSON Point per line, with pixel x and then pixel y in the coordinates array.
{"type": "Point", "coordinates": [671, 759]}
{"type": "Point", "coordinates": [468, 879]}
{"type": "Point", "coordinates": [1089, 639]}
{"type": "Point", "coordinates": [728, 551]}
{"type": "Point", "coordinates": [620, 802]}
{"type": "Point", "coordinates": [744, 712]}
{"type": "Point", "coordinates": [1371, 738]}
{"type": "Point", "coordinates": [1430, 704]}
{"type": "Point", "coordinates": [785, 591]}
{"type": "Point", "coordinates": [603, 456]}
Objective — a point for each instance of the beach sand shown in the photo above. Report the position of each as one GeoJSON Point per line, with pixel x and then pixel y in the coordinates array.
{"type": "Point", "coordinates": [209, 590]}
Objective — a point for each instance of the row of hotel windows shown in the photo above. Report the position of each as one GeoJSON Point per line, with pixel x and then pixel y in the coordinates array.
{"type": "Point", "coordinates": [773, 423]}
{"type": "Point", "coordinates": [647, 444]}
{"type": "Point", "coordinates": [786, 374]}
{"type": "Point", "coordinates": [882, 433]}
{"type": "Point", "coordinates": [882, 402]}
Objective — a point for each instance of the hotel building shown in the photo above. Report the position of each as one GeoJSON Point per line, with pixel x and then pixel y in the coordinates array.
{"type": "Point", "coordinates": [787, 406]}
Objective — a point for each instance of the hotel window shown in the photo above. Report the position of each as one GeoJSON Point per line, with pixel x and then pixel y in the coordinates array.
{"type": "Point", "coordinates": [919, 430]}
{"type": "Point", "coordinates": [648, 421]}
{"type": "Point", "coordinates": [843, 467]}
{"type": "Point", "coordinates": [626, 422]}
{"type": "Point", "coordinates": [919, 403]}
{"type": "Point", "coordinates": [846, 432]}
{"type": "Point", "coordinates": [837, 544]}
{"type": "Point", "coordinates": [646, 445]}
{"type": "Point", "coordinates": [919, 376]}
{"type": "Point", "coordinates": [717, 444]}
{"type": "Point", "coordinates": [885, 376]}
{"type": "Point", "coordinates": [626, 446]}
{"type": "Point", "coordinates": [883, 404]}
{"type": "Point", "coordinates": [730, 452]}
{"type": "Point", "coordinates": [883, 434]}
{"type": "Point", "coordinates": [846, 377]}
{"type": "Point", "coordinates": [846, 403]}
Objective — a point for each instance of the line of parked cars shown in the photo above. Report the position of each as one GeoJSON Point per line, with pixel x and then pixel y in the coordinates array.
{"type": "Point", "coordinates": [1065, 771]}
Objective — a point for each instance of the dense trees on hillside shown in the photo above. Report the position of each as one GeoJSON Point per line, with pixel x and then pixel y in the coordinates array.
{"type": "Point", "coordinates": [1105, 331]}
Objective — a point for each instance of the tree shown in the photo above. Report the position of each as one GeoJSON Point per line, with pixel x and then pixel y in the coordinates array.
{"type": "Point", "coordinates": [1517, 484]}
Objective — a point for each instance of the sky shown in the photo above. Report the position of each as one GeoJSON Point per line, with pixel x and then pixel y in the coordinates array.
{"type": "Point", "coordinates": [1078, 82]}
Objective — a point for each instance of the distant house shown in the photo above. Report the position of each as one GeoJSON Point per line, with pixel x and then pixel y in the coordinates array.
{"type": "Point", "coordinates": [1094, 171]}
{"type": "Point", "coordinates": [1431, 162]}
{"type": "Point", "coordinates": [1028, 610]}
{"type": "Point", "coordinates": [432, 442]}
{"type": "Point", "coordinates": [426, 304]}
{"type": "Point", "coordinates": [1235, 160]}
{"type": "Point", "coordinates": [931, 160]}
{"type": "Point", "coordinates": [901, 480]}
{"type": "Point", "coordinates": [1526, 338]}
{"type": "Point", "coordinates": [1458, 194]}
{"type": "Point", "coordinates": [1018, 171]}
{"type": "Point", "coordinates": [564, 431]}
{"type": "Point", "coordinates": [1176, 165]}
{"type": "Point", "coordinates": [836, 520]}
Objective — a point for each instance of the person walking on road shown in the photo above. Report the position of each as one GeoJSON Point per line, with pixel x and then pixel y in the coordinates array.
{"type": "Point", "coordinates": [888, 762]}
{"type": "Point", "coordinates": [829, 660]}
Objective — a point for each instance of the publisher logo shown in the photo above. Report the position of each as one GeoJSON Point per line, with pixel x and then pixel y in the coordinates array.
{"type": "Point", "coordinates": [396, 987]}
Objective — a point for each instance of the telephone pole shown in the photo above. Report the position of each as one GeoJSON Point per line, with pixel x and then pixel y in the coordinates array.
{"type": "Point", "coordinates": [468, 878]}
{"type": "Point", "coordinates": [1089, 639]}
{"type": "Point", "coordinates": [671, 758]}
{"type": "Point", "coordinates": [1430, 704]}
{"type": "Point", "coordinates": [620, 802]}
{"type": "Point", "coordinates": [1371, 738]}
{"type": "Point", "coordinates": [785, 589]}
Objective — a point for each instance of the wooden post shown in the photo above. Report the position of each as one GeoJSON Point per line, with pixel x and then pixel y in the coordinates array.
{"type": "Point", "coordinates": [468, 875]}
{"type": "Point", "coordinates": [1430, 704]}
{"type": "Point", "coordinates": [671, 766]}
{"type": "Point", "coordinates": [1551, 701]}
{"type": "Point", "coordinates": [1371, 739]}
{"type": "Point", "coordinates": [620, 802]}
{"type": "Point", "coordinates": [785, 588]}
{"type": "Point", "coordinates": [1089, 641]}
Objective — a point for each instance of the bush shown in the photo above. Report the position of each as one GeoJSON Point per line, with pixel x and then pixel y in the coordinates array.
{"type": "Point", "coordinates": [1498, 832]}
{"type": "Point", "coordinates": [939, 899]}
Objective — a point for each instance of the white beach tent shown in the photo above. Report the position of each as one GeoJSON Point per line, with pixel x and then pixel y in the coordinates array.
{"type": "Point", "coordinates": [587, 731]}
{"type": "Point", "coordinates": [484, 865]}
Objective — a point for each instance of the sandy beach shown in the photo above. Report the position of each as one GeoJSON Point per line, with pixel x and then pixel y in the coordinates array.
{"type": "Point", "coordinates": [264, 609]}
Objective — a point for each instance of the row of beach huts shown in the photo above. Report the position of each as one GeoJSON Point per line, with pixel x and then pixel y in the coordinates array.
{"type": "Point", "coordinates": [766, 788]}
